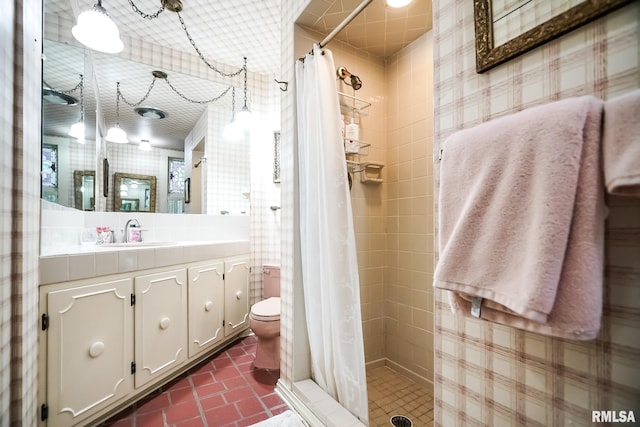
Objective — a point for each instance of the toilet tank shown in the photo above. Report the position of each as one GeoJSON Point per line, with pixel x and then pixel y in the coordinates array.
{"type": "Point", "coordinates": [270, 281]}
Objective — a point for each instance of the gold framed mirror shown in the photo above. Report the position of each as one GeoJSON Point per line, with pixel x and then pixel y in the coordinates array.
{"type": "Point", "coordinates": [134, 193]}
{"type": "Point", "coordinates": [84, 189]}
{"type": "Point", "coordinates": [508, 28]}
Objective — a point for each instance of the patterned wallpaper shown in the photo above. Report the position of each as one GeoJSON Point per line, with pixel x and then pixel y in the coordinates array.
{"type": "Point", "coordinates": [20, 97]}
{"type": "Point", "coordinates": [488, 374]}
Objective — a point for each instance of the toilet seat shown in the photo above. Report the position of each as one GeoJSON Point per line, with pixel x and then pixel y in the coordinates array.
{"type": "Point", "coordinates": [267, 310]}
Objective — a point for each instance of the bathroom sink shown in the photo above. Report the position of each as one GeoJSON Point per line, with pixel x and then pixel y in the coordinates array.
{"type": "Point", "coordinates": [138, 244]}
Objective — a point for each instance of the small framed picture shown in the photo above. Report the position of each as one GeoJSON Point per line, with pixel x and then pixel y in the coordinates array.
{"type": "Point", "coordinates": [187, 190]}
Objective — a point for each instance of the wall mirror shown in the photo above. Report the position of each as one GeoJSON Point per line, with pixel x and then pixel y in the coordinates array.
{"type": "Point", "coordinates": [62, 107]}
{"type": "Point", "coordinates": [506, 29]}
{"type": "Point", "coordinates": [134, 193]}
{"type": "Point", "coordinates": [66, 60]}
{"type": "Point", "coordinates": [84, 189]}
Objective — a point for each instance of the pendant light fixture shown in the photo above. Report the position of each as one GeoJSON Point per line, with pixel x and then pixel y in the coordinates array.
{"type": "Point", "coordinates": [232, 131]}
{"type": "Point", "coordinates": [243, 119]}
{"type": "Point", "coordinates": [97, 31]}
{"type": "Point", "coordinates": [77, 129]}
{"type": "Point", "coordinates": [116, 134]}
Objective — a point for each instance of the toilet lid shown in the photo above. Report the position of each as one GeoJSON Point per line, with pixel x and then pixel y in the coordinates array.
{"type": "Point", "coordinates": [266, 310]}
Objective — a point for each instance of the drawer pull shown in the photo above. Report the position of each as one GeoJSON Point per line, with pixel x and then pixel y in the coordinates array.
{"type": "Point", "coordinates": [96, 349]}
{"type": "Point", "coordinates": [239, 294]}
{"type": "Point", "coordinates": [208, 305]}
{"type": "Point", "coordinates": [164, 323]}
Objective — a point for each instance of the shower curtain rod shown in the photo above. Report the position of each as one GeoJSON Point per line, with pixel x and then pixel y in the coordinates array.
{"type": "Point", "coordinates": [346, 22]}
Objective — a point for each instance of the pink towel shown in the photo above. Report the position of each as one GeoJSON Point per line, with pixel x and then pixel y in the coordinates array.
{"type": "Point", "coordinates": [521, 219]}
{"type": "Point", "coordinates": [621, 145]}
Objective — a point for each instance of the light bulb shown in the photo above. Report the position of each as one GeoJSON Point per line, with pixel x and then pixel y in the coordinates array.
{"type": "Point", "coordinates": [116, 135]}
{"type": "Point", "coordinates": [232, 131]}
{"type": "Point", "coordinates": [145, 145]}
{"type": "Point", "coordinates": [398, 3]}
{"type": "Point", "coordinates": [243, 118]}
{"type": "Point", "coordinates": [77, 130]}
{"type": "Point", "coordinates": [97, 31]}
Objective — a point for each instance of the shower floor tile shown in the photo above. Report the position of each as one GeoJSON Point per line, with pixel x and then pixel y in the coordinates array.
{"type": "Point", "coordinates": [391, 393]}
{"type": "Point", "coordinates": [225, 390]}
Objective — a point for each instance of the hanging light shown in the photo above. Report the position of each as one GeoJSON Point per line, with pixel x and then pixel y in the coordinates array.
{"type": "Point", "coordinates": [77, 129]}
{"type": "Point", "coordinates": [145, 145]}
{"type": "Point", "coordinates": [233, 131]}
{"type": "Point", "coordinates": [116, 134]}
{"type": "Point", "coordinates": [97, 31]}
{"type": "Point", "coordinates": [244, 115]}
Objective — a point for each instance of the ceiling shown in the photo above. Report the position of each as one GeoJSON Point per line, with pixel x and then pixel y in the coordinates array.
{"type": "Point", "coordinates": [225, 31]}
{"type": "Point", "coordinates": [380, 30]}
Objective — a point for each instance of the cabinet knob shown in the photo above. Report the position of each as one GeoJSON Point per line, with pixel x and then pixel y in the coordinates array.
{"type": "Point", "coordinates": [96, 349]}
{"type": "Point", "coordinates": [164, 323]}
{"type": "Point", "coordinates": [208, 305]}
{"type": "Point", "coordinates": [239, 294]}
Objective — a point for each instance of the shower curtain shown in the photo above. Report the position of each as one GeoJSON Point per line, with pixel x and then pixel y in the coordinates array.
{"type": "Point", "coordinates": [329, 262]}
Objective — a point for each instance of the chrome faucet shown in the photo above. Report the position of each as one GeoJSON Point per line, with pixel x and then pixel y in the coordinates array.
{"type": "Point", "coordinates": [125, 237]}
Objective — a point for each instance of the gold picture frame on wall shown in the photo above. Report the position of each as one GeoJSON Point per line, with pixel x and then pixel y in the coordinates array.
{"type": "Point", "coordinates": [488, 55]}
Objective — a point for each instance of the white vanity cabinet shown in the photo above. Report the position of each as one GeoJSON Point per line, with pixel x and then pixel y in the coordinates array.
{"type": "Point", "coordinates": [206, 306]}
{"type": "Point", "coordinates": [236, 294]}
{"type": "Point", "coordinates": [107, 341]}
{"type": "Point", "coordinates": [160, 324]}
{"type": "Point", "coordinates": [89, 349]}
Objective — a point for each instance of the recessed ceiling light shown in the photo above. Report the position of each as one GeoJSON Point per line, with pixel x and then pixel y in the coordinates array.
{"type": "Point", "coordinates": [398, 3]}
{"type": "Point", "coordinates": [56, 97]}
{"type": "Point", "coordinates": [151, 113]}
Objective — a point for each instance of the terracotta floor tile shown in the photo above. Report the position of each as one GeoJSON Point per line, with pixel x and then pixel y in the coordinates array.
{"type": "Point", "coordinates": [228, 392]}
{"type": "Point", "coordinates": [182, 395]}
{"type": "Point", "coordinates": [235, 382]}
{"type": "Point", "coordinates": [158, 402]}
{"type": "Point", "coordinates": [209, 389]}
{"type": "Point", "coordinates": [237, 394]}
{"type": "Point", "coordinates": [212, 402]}
{"type": "Point", "coordinates": [272, 400]}
{"type": "Point", "coordinates": [250, 406]}
{"type": "Point", "coordinates": [223, 415]}
{"type": "Point", "coordinates": [193, 422]}
{"type": "Point", "coordinates": [151, 419]}
{"type": "Point", "coordinates": [182, 411]}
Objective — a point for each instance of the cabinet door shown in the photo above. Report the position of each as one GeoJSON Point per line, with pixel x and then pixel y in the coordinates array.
{"type": "Point", "coordinates": [89, 349]}
{"type": "Point", "coordinates": [160, 324]}
{"type": "Point", "coordinates": [206, 306]}
{"type": "Point", "coordinates": [236, 288]}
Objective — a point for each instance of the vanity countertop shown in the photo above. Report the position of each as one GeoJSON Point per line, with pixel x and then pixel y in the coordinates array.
{"type": "Point", "coordinates": [86, 261]}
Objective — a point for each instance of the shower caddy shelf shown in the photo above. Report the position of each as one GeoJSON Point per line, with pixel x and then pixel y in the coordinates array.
{"type": "Point", "coordinates": [370, 172]}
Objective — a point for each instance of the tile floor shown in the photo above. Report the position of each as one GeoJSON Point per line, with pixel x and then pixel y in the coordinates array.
{"type": "Point", "coordinates": [391, 393]}
{"type": "Point", "coordinates": [225, 390]}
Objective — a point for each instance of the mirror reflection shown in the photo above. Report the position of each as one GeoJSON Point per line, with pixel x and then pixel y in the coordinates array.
{"type": "Point", "coordinates": [84, 189]}
{"type": "Point", "coordinates": [68, 100]}
{"type": "Point", "coordinates": [169, 121]}
{"type": "Point", "coordinates": [134, 193]}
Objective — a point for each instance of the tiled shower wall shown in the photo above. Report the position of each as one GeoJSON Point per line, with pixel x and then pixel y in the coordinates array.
{"type": "Point", "coordinates": [487, 374]}
{"type": "Point", "coordinates": [408, 294]}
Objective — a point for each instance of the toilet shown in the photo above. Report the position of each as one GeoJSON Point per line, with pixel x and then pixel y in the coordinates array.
{"type": "Point", "coordinates": [264, 320]}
